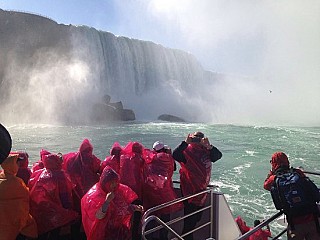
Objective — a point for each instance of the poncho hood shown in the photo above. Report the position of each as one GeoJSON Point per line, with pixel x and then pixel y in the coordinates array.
{"type": "Point", "coordinates": [279, 159]}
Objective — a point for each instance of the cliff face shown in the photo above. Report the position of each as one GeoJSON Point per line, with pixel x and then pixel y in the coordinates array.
{"type": "Point", "coordinates": [23, 36]}
{"type": "Point", "coordinates": [54, 72]}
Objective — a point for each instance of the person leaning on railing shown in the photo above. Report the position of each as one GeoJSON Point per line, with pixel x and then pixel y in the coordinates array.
{"type": "Point", "coordinates": [261, 234]}
{"type": "Point", "coordinates": [305, 225]}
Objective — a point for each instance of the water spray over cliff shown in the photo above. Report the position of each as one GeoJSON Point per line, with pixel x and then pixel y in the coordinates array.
{"type": "Point", "coordinates": [59, 75]}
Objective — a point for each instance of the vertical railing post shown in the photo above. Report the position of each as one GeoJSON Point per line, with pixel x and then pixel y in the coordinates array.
{"type": "Point", "coordinates": [211, 213]}
{"type": "Point", "coordinates": [216, 216]}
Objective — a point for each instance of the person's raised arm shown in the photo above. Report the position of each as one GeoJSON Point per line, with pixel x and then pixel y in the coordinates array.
{"type": "Point", "coordinates": [215, 153]}
{"type": "Point", "coordinates": [177, 153]}
{"type": "Point", "coordinates": [101, 213]}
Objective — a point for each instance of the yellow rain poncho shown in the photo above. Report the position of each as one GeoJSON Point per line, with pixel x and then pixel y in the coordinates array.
{"type": "Point", "coordinates": [14, 203]}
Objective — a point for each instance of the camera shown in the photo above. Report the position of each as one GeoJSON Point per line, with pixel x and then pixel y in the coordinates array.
{"type": "Point", "coordinates": [196, 139]}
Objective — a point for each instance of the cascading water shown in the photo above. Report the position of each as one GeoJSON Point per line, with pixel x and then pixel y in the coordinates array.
{"type": "Point", "coordinates": [67, 69]}
{"type": "Point", "coordinates": [140, 72]}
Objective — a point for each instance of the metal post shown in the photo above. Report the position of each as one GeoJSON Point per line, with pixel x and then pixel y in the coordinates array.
{"type": "Point", "coordinates": [211, 214]}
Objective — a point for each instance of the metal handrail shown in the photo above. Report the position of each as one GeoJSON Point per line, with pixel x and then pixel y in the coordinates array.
{"type": "Point", "coordinates": [175, 220]}
{"type": "Point", "coordinates": [308, 172]}
{"type": "Point", "coordinates": [166, 204]}
{"type": "Point", "coordinates": [280, 234]}
{"type": "Point", "coordinates": [197, 228]}
{"type": "Point", "coordinates": [146, 218]}
{"type": "Point", "coordinates": [154, 218]}
{"type": "Point", "coordinates": [261, 225]}
{"type": "Point", "coordinates": [312, 173]}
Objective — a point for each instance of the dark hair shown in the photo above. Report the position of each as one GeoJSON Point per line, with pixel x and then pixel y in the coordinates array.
{"type": "Point", "coordinates": [137, 147]}
{"type": "Point", "coordinates": [116, 151]}
{"type": "Point", "coordinates": [256, 222]}
{"type": "Point", "coordinates": [198, 134]}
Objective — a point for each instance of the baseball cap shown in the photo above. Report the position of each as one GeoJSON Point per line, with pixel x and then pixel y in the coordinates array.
{"type": "Point", "coordinates": [158, 146]}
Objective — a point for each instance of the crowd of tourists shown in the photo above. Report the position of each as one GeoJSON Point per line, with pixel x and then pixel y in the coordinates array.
{"type": "Point", "coordinates": [82, 197]}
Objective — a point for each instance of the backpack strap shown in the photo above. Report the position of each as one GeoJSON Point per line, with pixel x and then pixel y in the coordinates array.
{"type": "Point", "coordinates": [316, 221]}
{"type": "Point", "coordinates": [278, 173]}
{"type": "Point", "coordinates": [282, 170]}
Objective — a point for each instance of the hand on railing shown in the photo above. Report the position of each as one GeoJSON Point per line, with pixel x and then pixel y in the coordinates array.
{"type": "Point", "coordinates": [136, 208]}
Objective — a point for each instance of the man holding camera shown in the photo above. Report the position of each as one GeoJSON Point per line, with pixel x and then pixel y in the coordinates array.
{"type": "Point", "coordinates": [195, 156]}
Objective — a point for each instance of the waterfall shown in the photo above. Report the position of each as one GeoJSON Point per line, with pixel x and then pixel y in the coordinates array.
{"type": "Point", "coordinates": [56, 72]}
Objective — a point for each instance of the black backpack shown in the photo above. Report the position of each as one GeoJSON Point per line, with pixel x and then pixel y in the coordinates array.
{"type": "Point", "coordinates": [294, 194]}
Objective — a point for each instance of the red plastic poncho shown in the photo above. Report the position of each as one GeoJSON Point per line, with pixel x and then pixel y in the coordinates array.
{"type": "Point", "coordinates": [51, 196]}
{"type": "Point", "coordinates": [279, 159]}
{"type": "Point", "coordinates": [39, 164]}
{"type": "Point", "coordinates": [260, 235]}
{"type": "Point", "coordinates": [82, 167]}
{"type": "Point", "coordinates": [131, 168]}
{"type": "Point", "coordinates": [195, 173]}
{"type": "Point", "coordinates": [14, 203]}
{"type": "Point", "coordinates": [158, 187]}
{"type": "Point", "coordinates": [242, 225]}
{"type": "Point", "coordinates": [34, 178]}
{"type": "Point", "coordinates": [24, 172]}
{"type": "Point", "coordinates": [113, 160]}
{"type": "Point", "coordinates": [117, 222]}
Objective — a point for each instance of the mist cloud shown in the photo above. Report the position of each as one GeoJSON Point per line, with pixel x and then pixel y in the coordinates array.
{"type": "Point", "coordinates": [274, 44]}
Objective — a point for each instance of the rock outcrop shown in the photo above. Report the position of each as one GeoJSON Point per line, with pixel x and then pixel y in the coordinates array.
{"type": "Point", "coordinates": [170, 118]}
{"type": "Point", "coordinates": [108, 111]}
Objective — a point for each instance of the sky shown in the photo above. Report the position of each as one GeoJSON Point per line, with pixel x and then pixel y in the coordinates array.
{"type": "Point", "coordinates": [275, 42]}
{"type": "Point", "coordinates": [225, 36]}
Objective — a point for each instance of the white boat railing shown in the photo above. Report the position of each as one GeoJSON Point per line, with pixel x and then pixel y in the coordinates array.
{"type": "Point", "coordinates": [217, 220]}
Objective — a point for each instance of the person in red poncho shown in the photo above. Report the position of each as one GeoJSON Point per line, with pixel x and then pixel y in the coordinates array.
{"type": "Point", "coordinates": [131, 174]}
{"type": "Point", "coordinates": [131, 168]}
{"type": "Point", "coordinates": [113, 160]}
{"type": "Point", "coordinates": [14, 203]}
{"type": "Point", "coordinates": [51, 198]}
{"type": "Point", "coordinates": [195, 156]}
{"type": "Point", "coordinates": [24, 172]}
{"type": "Point", "coordinates": [261, 234]}
{"type": "Point", "coordinates": [242, 225]}
{"type": "Point", "coordinates": [83, 167]}
{"type": "Point", "coordinates": [305, 227]}
{"type": "Point", "coordinates": [258, 235]}
{"type": "Point", "coordinates": [107, 210]}
{"type": "Point", "coordinates": [158, 187]}
{"type": "Point", "coordinates": [39, 164]}
{"type": "Point", "coordinates": [37, 169]}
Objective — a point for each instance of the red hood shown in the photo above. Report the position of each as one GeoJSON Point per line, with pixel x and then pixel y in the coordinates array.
{"type": "Point", "coordinates": [108, 175]}
{"type": "Point", "coordinates": [279, 159]}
